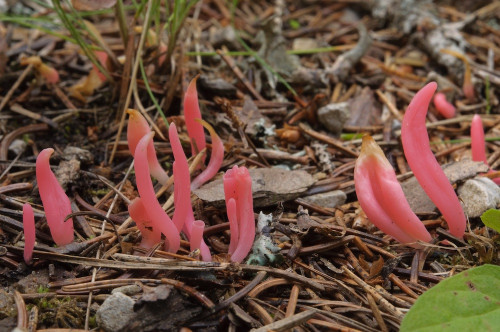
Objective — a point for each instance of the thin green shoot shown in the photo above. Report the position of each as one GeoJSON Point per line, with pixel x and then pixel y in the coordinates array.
{"type": "Point", "coordinates": [264, 64]}
{"type": "Point", "coordinates": [487, 92]}
{"type": "Point", "coordinates": [150, 92]}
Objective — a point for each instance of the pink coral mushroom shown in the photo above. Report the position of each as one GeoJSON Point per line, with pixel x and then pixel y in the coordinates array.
{"type": "Point", "coordinates": [425, 166]}
{"type": "Point", "coordinates": [381, 196]}
{"type": "Point", "coordinates": [158, 217]}
{"type": "Point", "coordinates": [55, 202]}
{"type": "Point", "coordinates": [238, 187]}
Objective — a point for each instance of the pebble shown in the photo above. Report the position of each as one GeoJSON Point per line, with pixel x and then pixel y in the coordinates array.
{"type": "Point", "coordinates": [333, 116]}
{"type": "Point", "coordinates": [479, 195]}
{"type": "Point", "coordinates": [115, 313]}
{"type": "Point", "coordinates": [329, 199]}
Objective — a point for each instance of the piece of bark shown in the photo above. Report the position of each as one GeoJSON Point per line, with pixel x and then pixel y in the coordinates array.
{"type": "Point", "coordinates": [269, 186]}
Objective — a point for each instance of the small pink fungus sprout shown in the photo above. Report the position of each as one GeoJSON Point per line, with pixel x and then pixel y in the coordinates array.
{"type": "Point", "coordinates": [443, 106]}
{"type": "Point", "coordinates": [477, 143]}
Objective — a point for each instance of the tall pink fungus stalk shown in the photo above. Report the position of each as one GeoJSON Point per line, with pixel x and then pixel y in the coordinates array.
{"type": "Point", "coordinates": [137, 128]}
{"type": "Point", "coordinates": [159, 218]}
{"type": "Point", "coordinates": [216, 157]}
{"type": "Point", "coordinates": [55, 202]}
{"type": "Point", "coordinates": [381, 197]}
{"type": "Point", "coordinates": [183, 215]}
{"type": "Point", "coordinates": [191, 113]}
{"type": "Point", "coordinates": [138, 213]}
{"type": "Point", "coordinates": [29, 232]}
{"type": "Point", "coordinates": [425, 166]}
{"type": "Point", "coordinates": [238, 186]}
{"type": "Point", "coordinates": [445, 108]}
{"type": "Point", "coordinates": [477, 143]}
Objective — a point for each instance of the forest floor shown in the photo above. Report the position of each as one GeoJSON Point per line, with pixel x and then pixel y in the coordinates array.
{"type": "Point", "coordinates": [290, 87]}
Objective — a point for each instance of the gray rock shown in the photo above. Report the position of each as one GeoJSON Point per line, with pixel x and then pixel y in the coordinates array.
{"type": "Point", "coordinates": [116, 312]}
{"type": "Point", "coordinates": [455, 172]}
{"type": "Point", "coordinates": [479, 194]}
{"type": "Point", "coordinates": [329, 199]}
{"type": "Point", "coordinates": [128, 290]}
{"type": "Point", "coordinates": [333, 116]}
{"type": "Point", "coordinates": [82, 155]}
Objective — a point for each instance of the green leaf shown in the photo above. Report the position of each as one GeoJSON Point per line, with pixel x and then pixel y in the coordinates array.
{"type": "Point", "coordinates": [468, 301]}
{"type": "Point", "coordinates": [491, 218]}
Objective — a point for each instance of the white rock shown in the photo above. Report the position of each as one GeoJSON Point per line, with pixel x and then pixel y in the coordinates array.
{"type": "Point", "coordinates": [333, 116]}
{"type": "Point", "coordinates": [329, 199]}
{"type": "Point", "coordinates": [115, 313]}
{"type": "Point", "coordinates": [478, 195]}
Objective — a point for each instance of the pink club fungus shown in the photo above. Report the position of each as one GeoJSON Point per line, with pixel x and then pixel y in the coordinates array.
{"type": "Point", "coordinates": [425, 166]}
{"type": "Point", "coordinates": [477, 143]}
{"type": "Point", "coordinates": [55, 202]}
{"type": "Point", "coordinates": [137, 128]}
{"type": "Point", "coordinates": [238, 186]}
{"type": "Point", "coordinates": [48, 73]}
{"type": "Point", "coordinates": [29, 232]}
{"type": "Point", "coordinates": [477, 140]}
{"type": "Point", "coordinates": [215, 159]}
{"type": "Point", "coordinates": [159, 218]}
{"type": "Point", "coordinates": [445, 108]}
{"type": "Point", "coordinates": [196, 235]}
{"type": "Point", "coordinates": [183, 215]}
{"type": "Point", "coordinates": [191, 113]}
{"type": "Point", "coordinates": [381, 196]}
{"type": "Point", "coordinates": [138, 213]}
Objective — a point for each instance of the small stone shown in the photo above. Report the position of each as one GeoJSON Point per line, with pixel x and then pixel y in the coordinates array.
{"type": "Point", "coordinates": [116, 312]}
{"type": "Point", "coordinates": [330, 199]}
{"type": "Point", "coordinates": [128, 290]}
{"type": "Point", "coordinates": [303, 44]}
{"type": "Point", "coordinates": [18, 146]}
{"type": "Point", "coordinates": [478, 195]}
{"type": "Point", "coordinates": [82, 155]}
{"type": "Point", "coordinates": [333, 116]}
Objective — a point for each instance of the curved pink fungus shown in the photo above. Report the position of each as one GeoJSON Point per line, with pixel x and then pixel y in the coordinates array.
{"type": "Point", "coordinates": [238, 186]}
{"type": "Point", "coordinates": [191, 113]}
{"type": "Point", "coordinates": [29, 232]}
{"type": "Point", "coordinates": [216, 158]}
{"type": "Point", "coordinates": [445, 108]}
{"type": "Point", "coordinates": [159, 218]}
{"type": "Point", "coordinates": [136, 129]}
{"type": "Point", "coordinates": [425, 166]}
{"type": "Point", "coordinates": [377, 189]}
{"type": "Point", "coordinates": [138, 213]}
{"type": "Point", "coordinates": [55, 202]}
{"type": "Point", "coordinates": [183, 215]}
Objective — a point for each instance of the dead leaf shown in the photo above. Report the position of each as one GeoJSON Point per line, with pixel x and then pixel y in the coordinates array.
{"type": "Point", "coordinates": [92, 4]}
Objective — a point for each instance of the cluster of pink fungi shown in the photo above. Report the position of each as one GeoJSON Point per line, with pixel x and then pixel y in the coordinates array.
{"type": "Point", "coordinates": [381, 196]}
{"type": "Point", "coordinates": [376, 185]}
{"type": "Point", "coordinates": [151, 219]}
